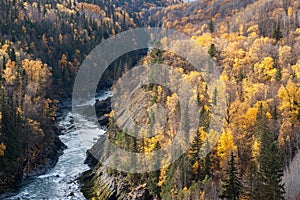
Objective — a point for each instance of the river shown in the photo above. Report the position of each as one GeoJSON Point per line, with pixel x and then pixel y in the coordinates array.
{"type": "Point", "coordinates": [60, 182]}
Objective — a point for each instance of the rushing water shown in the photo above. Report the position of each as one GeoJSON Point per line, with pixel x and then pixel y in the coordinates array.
{"type": "Point", "coordinates": [60, 182]}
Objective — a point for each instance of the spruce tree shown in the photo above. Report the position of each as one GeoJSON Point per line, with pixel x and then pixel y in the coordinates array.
{"type": "Point", "coordinates": [186, 126]}
{"type": "Point", "coordinates": [251, 183]}
{"type": "Point", "coordinates": [271, 172]}
{"type": "Point", "coordinates": [212, 51]}
{"type": "Point", "coordinates": [153, 177]}
{"type": "Point", "coordinates": [12, 55]}
{"type": "Point", "coordinates": [211, 26]}
{"type": "Point", "coordinates": [270, 160]}
{"type": "Point", "coordinates": [214, 98]}
{"type": "Point", "coordinates": [277, 34]}
{"type": "Point", "coordinates": [195, 154]}
{"type": "Point", "coordinates": [207, 160]}
{"type": "Point", "coordinates": [278, 74]}
{"type": "Point", "coordinates": [232, 187]}
{"type": "Point", "coordinates": [261, 128]}
{"type": "Point", "coordinates": [3, 63]}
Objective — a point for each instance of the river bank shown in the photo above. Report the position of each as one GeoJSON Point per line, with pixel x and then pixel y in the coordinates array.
{"type": "Point", "coordinates": [61, 181]}
{"type": "Point", "coordinates": [37, 160]}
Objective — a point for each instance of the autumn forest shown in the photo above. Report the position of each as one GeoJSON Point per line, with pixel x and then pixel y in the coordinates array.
{"type": "Point", "coordinates": [254, 44]}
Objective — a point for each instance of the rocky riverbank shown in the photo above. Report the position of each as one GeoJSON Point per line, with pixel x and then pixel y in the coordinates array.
{"type": "Point", "coordinates": [99, 182]}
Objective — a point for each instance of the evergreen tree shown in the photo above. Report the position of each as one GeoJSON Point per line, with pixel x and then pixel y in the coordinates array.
{"type": "Point", "coordinates": [12, 54]}
{"type": "Point", "coordinates": [212, 51]}
{"type": "Point", "coordinates": [278, 74]}
{"type": "Point", "coordinates": [207, 160]}
{"type": "Point", "coordinates": [232, 186]}
{"type": "Point", "coordinates": [271, 172]}
{"type": "Point", "coordinates": [277, 34]}
{"type": "Point", "coordinates": [186, 124]}
{"type": "Point", "coordinates": [215, 95]}
{"type": "Point", "coordinates": [261, 128]}
{"type": "Point", "coordinates": [169, 183]}
{"type": "Point", "coordinates": [195, 153]}
{"type": "Point", "coordinates": [211, 26]}
{"type": "Point", "coordinates": [3, 63]}
{"type": "Point", "coordinates": [153, 178]}
{"type": "Point", "coordinates": [156, 55]}
{"type": "Point", "coordinates": [270, 160]}
{"type": "Point", "coordinates": [251, 183]}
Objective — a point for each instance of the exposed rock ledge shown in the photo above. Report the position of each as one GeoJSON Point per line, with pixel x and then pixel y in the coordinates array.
{"type": "Point", "coordinates": [97, 183]}
{"type": "Point", "coordinates": [291, 178]}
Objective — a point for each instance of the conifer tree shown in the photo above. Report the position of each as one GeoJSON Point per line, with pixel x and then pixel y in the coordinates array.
{"type": "Point", "coordinates": [212, 51]}
{"type": "Point", "coordinates": [211, 26]}
{"type": "Point", "coordinates": [270, 161]}
{"type": "Point", "coordinates": [261, 128]}
{"type": "Point", "coordinates": [232, 187]}
{"type": "Point", "coordinates": [207, 159]}
{"type": "Point", "coordinates": [277, 34]}
{"type": "Point", "coordinates": [271, 172]}
{"type": "Point", "coordinates": [214, 98]}
{"type": "Point", "coordinates": [196, 155]}
{"type": "Point", "coordinates": [153, 178]}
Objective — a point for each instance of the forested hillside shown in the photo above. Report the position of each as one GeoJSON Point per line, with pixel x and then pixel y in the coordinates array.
{"type": "Point", "coordinates": [42, 44]}
{"type": "Point", "coordinates": [25, 112]}
{"type": "Point", "coordinates": [256, 46]}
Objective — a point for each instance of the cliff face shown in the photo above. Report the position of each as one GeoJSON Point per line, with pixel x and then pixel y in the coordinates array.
{"type": "Point", "coordinates": [101, 185]}
{"type": "Point", "coordinates": [291, 178]}
{"type": "Point", "coordinates": [101, 182]}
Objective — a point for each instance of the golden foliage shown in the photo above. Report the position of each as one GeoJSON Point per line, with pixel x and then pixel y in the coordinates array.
{"type": "Point", "coordinates": [2, 149]}
{"type": "Point", "coordinates": [204, 40]}
{"type": "Point", "coordinates": [225, 146]}
{"type": "Point", "coordinates": [9, 72]}
{"type": "Point", "coordinates": [265, 70]}
{"type": "Point", "coordinates": [289, 97]}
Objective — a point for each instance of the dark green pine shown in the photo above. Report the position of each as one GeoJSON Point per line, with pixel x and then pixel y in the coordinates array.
{"type": "Point", "coordinates": [232, 187]}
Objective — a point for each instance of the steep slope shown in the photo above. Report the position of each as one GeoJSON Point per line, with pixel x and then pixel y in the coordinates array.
{"type": "Point", "coordinates": [42, 44]}
{"type": "Point", "coordinates": [190, 17]}
{"type": "Point", "coordinates": [256, 46]}
{"type": "Point", "coordinates": [28, 136]}
{"type": "Point", "coordinates": [60, 33]}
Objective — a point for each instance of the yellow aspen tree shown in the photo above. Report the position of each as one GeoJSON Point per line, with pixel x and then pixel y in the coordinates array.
{"type": "Point", "coordinates": [225, 147]}
{"type": "Point", "coordinates": [290, 12]}
{"type": "Point", "coordinates": [296, 70]}
{"type": "Point", "coordinates": [285, 55]}
{"type": "Point", "coordinates": [9, 72]}
{"type": "Point", "coordinates": [63, 62]}
{"type": "Point", "coordinates": [252, 31]}
{"type": "Point", "coordinates": [289, 108]}
{"type": "Point", "coordinates": [265, 70]}
{"type": "Point", "coordinates": [204, 40]}
{"type": "Point", "coordinates": [289, 100]}
{"type": "Point", "coordinates": [261, 48]}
